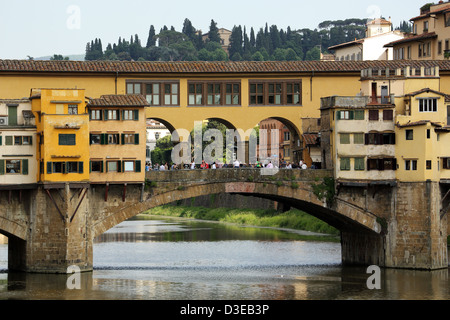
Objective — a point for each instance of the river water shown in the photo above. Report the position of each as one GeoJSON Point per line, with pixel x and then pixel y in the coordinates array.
{"type": "Point", "coordinates": [172, 259]}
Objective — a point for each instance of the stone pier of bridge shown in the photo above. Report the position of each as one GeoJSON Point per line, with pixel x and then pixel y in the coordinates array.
{"type": "Point", "coordinates": [53, 227]}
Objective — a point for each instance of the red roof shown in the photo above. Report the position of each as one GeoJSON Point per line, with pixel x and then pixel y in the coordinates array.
{"type": "Point", "coordinates": [130, 100]}
{"type": "Point", "coordinates": [311, 139]}
{"type": "Point", "coordinates": [423, 36]}
{"type": "Point", "coordinates": [159, 67]}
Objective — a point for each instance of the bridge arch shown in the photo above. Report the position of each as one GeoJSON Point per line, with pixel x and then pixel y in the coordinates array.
{"type": "Point", "coordinates": [173, 186]}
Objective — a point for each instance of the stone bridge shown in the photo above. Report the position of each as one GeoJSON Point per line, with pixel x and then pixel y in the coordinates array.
{"type": "Point", "coordinates": [51, 227]}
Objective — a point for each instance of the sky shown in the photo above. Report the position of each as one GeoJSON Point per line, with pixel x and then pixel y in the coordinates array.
{"type": "Point", "coordinates": [38, 28]}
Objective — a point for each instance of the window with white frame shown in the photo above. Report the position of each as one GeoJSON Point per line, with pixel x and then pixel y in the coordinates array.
{"type": "Point", "coordinates": [428, 105]}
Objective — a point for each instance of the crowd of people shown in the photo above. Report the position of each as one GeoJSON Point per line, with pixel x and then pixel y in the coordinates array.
{"type": "Point", "coordinates": [236, 164]}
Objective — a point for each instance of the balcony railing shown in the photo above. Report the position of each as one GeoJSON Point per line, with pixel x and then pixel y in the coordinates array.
{"type": "Point", "coordinates": [381, 100]}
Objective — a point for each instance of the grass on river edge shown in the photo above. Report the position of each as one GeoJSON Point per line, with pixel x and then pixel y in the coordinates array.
{"type": "Point", "coordinates": [292, 219]}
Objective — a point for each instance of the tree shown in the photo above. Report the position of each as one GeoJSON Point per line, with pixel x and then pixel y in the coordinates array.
{"type": "Point", "coordinates": [189, 30]}
{"type": "Point", "coordinates": [59, 57]}
{"type": "Point", "coordinates": [313, 54]}
{"type": "Point", "coordinates": [236, 41]}
{"type": "Point", "coordinates": [151, 42]}
{"type": "Point", "coordinates": [213, 35]}
{"type": "Point", "coordinates": [169, 37]}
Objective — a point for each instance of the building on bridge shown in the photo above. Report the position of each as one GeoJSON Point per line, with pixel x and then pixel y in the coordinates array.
{"type": "Point", "coordinates": [17, 143]}
{"type": "Point", "coordinates": [62, 124]}
{"type": "Point", "coordinates": [117, 139]}
{"type": "Point", "coordinates": [400, 135]}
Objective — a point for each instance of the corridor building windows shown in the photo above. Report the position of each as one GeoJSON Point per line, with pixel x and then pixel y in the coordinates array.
{"type": "Point", "coordinates": [215, 93]}
{"type": "Point", "coordinates": [275, 93]}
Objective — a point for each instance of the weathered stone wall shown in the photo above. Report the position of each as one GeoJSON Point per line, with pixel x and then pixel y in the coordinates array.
{"type": "Point", "coordinates": [417, 236]}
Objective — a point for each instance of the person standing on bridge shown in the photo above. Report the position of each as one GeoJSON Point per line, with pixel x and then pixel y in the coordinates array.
{"type": "Point", "coordinates": [236, 164]}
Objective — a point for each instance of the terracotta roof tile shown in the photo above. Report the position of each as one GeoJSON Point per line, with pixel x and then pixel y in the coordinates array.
{"type": "Point", "coordinates": [427, 90]}
{"type": "Point", "coordinates": [418, 123]}
{"type": "Point", "coordinates": [130, 100]}
{"type": "Point", "coordinates": [140, 67]}
{"type": "Point", "coordinates": [311, 139]}
{"type": "Point", "coordinates": [418, 37]}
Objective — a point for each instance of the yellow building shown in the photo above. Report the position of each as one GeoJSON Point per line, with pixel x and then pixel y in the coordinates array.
{"type": "Point", "coordinates": [430, 39]}
{"type": "Point", "coordinates": [395, 130]}
{"type": "Point", "coordinates": [423, 137]}
{"type": "Point", "coordinates": [117, 139]}
{"type": "Point", "coordinates": [62, 125]}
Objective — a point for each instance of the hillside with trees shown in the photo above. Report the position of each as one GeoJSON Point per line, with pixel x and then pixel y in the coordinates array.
{"type": "Point", "coordinates": [267, 43]}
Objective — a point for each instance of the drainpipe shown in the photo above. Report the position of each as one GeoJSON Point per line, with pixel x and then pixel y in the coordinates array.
{"type": "Point", "coordinates": [115, 80]}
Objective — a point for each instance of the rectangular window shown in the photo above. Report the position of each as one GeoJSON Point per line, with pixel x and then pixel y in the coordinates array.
{"type": "Point", "coordinates": [358, 138]}
{"type": "Point", "coordinates": [170, 94]}
{"type": "Point", "coordinates": [111, 115]}
{"type": "Point", "coordinates": [409, 134]}
{"type": "Point", "coordinates": [95, 138]}
{"type": "Point", "coordinates": [59, 167]}
{"type": "Point", "coordinates": [428, 105]}
{"type": "Point", "coordinates": [388, 138]}
{"type": "Point", "coordinates": [152, 93]}
{"type": "Point", "coordinates": [428, 164]}
{"type": "Point", "coordinates": [345, 138]}
{"type": "Point", "coordinates": [275, 93]}
{"type": "Point", "coordinates": [232, 94]}
{"type": "Point", "coordinates": [96, 166]}
{"type": "Point", "coordinates": [128, 138]}
{"type": "Point", "coordinates": [113, 166]}
{"type": "Point", "coordinates": [112, 138]}
{"type": "Point", "coordinates": [18, 140]}
{"type": "Point", "coordinates": [373, 164]}
{"type": "Point", "coordinates": [345, 164]}
{"type": "Point", "coordinates": [388, 115]}
{"type": "Point", "coordinates": [96, 115]}
{"type": "Point", "coordinates": [411, 165]}
{"type": "Point", "coordinates": [67, 139]}
{"type": "Point", "coordinates": [293, 93]}
{"type": "Point", "coordinates": [195, 94]}
{"type": "Point", "coordinates": [133, 88]}
{"type": "Point", "coordinates": [73, 109]}
{"type": "Point", "coordinates": [359, 114]}
{"type": "Point", "coordinates": [128, 166]}
{"type": "Point", "coordinates": [13, 166]}
{"type": "Point", "coordinates": [446, 163]}
{"type": "Point", "coordinates": [214, 94]}
{"type": "Point", "coordinates": [343, 115]}
{"type": "Point", "coordinates": [128, 115]}
{"type": "Point", "coordinates": [27, 140]}
{"type": "Point", "coordinates": [359, 164]}
{"type": "Point", "coordinates": [72, 167]}
{"type": "Point", "coordinates": [439, 50]}
{"type": "Point", "coordinates": [374, 115]}
{"type": "Point", "coordinates": [257, 94]}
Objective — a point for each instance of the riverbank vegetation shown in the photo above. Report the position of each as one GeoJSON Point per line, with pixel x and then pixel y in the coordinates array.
{"type": "Point", "coordinates": [292, 219]}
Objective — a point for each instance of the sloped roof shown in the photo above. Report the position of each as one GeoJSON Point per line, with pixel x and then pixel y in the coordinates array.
{"type": "Point", "coordinates": [159, 67]}
{"type": "Point", "coordinates": [427, 90]}
{"type": "Point", "coordinates": [419, 123]}
{"type": "Point", "coordinates": [423, 36]}
{"type": "Point", "coordinates": [130, 100]}
{"type": "Point", "coordinates": [311, 139]}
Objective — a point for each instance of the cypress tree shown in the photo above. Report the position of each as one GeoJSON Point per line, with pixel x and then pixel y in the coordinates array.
{"type": "Point", "coordinates": [151, 42]}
